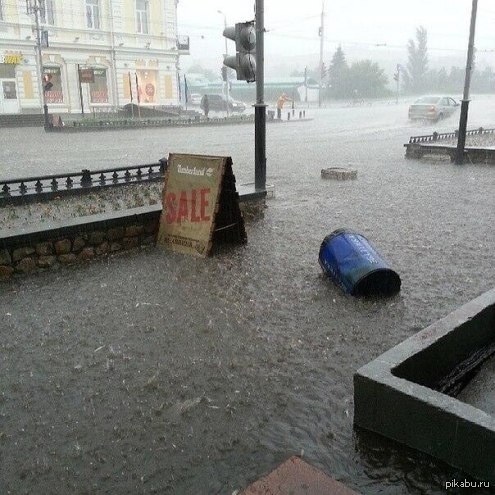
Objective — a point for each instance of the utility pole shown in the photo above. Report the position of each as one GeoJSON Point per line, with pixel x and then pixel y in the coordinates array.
{"type": "Point", "coordinates": [306, 85]}
{"type": "Point", "coordinates": [260, 106]}
{"type": "Point", "coordinates": [35, 7]}
{"type": "Point", "coordinates": [397, 81]}
{"type": "Point", "coordinates": [461, 137]}
{"type": "Point", "coordinates": [322, 43]}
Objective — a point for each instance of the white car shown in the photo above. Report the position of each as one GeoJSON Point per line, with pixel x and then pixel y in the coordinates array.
{"type": "Point", "coordinates": [432, 108]}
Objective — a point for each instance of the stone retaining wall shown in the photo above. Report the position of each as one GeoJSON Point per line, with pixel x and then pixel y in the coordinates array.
{"type": "Point", "coordinates": [81, 240]}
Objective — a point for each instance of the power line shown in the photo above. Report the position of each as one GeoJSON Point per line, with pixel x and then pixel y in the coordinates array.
{"type": "Point", "coordinates": [271, 31]}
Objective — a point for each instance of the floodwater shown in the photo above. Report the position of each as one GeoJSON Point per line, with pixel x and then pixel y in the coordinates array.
{"type": "Point", "coordinates": [152, 372]}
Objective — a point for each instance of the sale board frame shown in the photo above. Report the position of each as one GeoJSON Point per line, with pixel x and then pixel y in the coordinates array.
{"type": "Point", "coordinates": [200, 204]}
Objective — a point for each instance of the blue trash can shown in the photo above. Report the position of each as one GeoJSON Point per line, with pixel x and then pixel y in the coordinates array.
{"type": "Point", "coordinates": [354, 265]}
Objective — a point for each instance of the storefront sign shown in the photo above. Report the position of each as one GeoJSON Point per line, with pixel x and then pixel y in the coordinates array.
{"type": "Point", "coordinates": [192, 206]}
{"type": "Point", "coordinates": [13, 59]}
{"type": "Point", "coordinates": [87, 75]}
{"type": "Point", "coordinates": [146, 84]}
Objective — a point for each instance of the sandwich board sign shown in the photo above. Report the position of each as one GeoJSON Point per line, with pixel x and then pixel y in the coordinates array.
{"type": "Point", "coordinates": [200, 204]}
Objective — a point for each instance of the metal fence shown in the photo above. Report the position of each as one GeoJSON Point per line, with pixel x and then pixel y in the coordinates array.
{"type": "Point", "coordinates": [102, 122]}
{"type": "Point", "coordinates": [436, 136]}
{"type": "Point", "coordinates": [15, 191]}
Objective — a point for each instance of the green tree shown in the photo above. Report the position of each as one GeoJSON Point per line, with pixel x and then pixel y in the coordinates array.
{"type": "Point", "coordinates": [337, 75]}
{"type": "Point", "coordinates": [366, 79]}
{"type": "Point", "coordinates": [456, 79]}
{"type": "Point", "coordinates": [487, 80]}
{"type": "Point", "coordinates": [442, 79]}
{"type": "Point", "coordinates": [417, 65]}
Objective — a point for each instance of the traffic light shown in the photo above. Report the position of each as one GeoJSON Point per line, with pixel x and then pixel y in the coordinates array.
{"type": "Point", "coordinates": [244, 61]}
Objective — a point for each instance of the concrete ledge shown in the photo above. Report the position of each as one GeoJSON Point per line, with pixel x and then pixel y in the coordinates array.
{"type": "Point", "coordinates": [77, 226]}
{"type": "Point", "coordinates": [397, 395]}
{"type": "Point", "coordinates": [471, 154]}
{"type": "Point", "coordinates": [74, 226]}
{"type": "Point", "coordinates": [81, 239]}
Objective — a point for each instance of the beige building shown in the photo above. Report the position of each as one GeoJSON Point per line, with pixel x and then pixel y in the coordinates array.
{"type": "Point", "coordinates": [97, 55]}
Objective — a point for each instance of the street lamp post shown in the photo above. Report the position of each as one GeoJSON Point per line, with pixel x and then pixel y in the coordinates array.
{"type": "Point", "coordinates": [226, 82]}
{"type": "Point", "coordinates": [35, 7]}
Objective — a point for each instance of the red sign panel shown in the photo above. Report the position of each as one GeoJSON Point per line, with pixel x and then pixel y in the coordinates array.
{"type": "Point", "coordinates": [87, 75]}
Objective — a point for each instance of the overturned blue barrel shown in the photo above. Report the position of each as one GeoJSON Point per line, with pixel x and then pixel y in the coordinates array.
{"type": "Point", "coordinates": [353, 264]}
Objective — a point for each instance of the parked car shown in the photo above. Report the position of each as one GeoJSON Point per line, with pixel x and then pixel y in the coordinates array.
{"type": "Point", "coordinates": [218, 103]}
{"type": "Point", "coordinates": [195, 99]}
{"type": "Point", "coordinates": [432, 108]}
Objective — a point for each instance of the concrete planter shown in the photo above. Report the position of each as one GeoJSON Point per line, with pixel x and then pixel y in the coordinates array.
{"type": "Point", "coordinates": [398, 394]}
{"type": "Point", "coordinates": [338, 173]}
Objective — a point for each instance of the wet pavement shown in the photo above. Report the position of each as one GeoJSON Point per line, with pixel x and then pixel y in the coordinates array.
{"type": "Point", "coordinates": [152, 372]}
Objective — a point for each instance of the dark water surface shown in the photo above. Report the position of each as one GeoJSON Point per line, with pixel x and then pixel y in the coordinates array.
{"type": "Point", "coordinates": [153, 372]}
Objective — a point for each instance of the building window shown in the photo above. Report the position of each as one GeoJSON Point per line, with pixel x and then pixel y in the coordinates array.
{"type": "Point", "coordinates": [93, 14]}
{"type": "Point", "coordinates": [47, 12]}
{"type": "Point", "coordinates": [142, 16]}
{"type": "Point", "coordinates": [7, 71]}
{"type": "Point", "coordinates": [52, 84]}
{"type": "Point", "coordinates": [9, 90]}
{"type": "Point", "coordinates": [98, 88]}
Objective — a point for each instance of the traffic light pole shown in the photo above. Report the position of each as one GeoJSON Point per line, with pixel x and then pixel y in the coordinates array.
{"type": "Point", "coordinates": [226, 81]}
{"type": "Point", "coordinates": [260, 106]}
{"type": "Point", "coordinates": [461, 137]}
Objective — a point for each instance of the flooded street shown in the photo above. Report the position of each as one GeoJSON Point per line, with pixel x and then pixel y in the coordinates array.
{"type": "Point", "coordinates": [152, 372]}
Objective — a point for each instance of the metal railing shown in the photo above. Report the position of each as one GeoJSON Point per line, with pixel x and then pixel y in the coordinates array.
{"type": "Point", "coordinates": [436, 136]}
{"type": "Point", "coordinates": [123, 123]}
{"type": "Point", "coordinates": [26, 189]}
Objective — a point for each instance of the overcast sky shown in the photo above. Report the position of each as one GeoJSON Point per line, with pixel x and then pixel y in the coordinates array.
{"type": "Point", "coordinates": [377, 26]}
